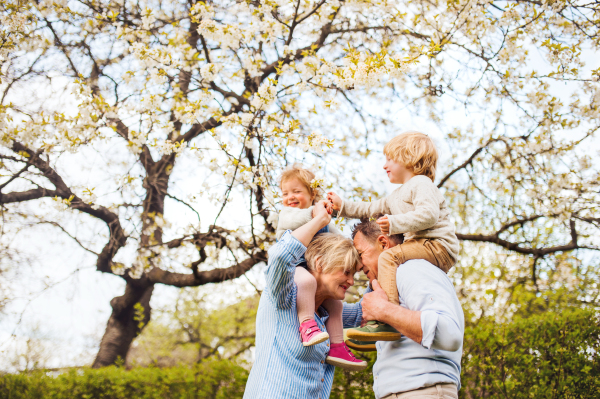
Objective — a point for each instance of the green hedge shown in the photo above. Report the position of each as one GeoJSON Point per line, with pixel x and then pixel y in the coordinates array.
{"type": "Point", "coordinates": [210, 379]}
{"type": "Point", "coordinates": [545, 356]}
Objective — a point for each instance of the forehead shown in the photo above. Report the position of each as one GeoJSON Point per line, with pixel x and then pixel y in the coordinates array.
{"type": "Point", "coordinates": [292, 183]}
{"type": "Point", "coordinates": [361, 243]}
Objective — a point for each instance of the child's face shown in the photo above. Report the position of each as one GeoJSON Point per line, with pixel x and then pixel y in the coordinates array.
{"type": "Point", "coordinates": [295, 194]}
{"type": "Point", "coordinates": [397, 172]}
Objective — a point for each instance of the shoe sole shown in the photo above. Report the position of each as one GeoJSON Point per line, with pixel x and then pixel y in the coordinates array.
{"type": "Point", "coordinates": [362, 348]}
{"type": "Point", "coordinates": [367, 336]}
{"type": "Point", "coordinates": [317, 339]}
{"type": "Point", "coordinates": [346, 365]}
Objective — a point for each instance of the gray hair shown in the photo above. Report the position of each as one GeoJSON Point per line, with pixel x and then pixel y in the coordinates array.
{"type": "Point", "coordinates": [371, 230]}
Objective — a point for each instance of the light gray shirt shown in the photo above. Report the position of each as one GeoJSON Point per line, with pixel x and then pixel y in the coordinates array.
{"type": "Point", "coordinates": [405, 365]}
{"type": "Point", "coordinates": [416, 209]}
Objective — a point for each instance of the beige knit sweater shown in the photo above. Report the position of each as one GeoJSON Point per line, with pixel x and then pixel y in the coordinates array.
{"type": "Point", "coordinates": [417, 209]}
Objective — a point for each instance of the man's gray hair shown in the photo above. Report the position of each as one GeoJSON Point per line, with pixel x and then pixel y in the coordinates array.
{"type": "Point", "coordinates": [371, 230]}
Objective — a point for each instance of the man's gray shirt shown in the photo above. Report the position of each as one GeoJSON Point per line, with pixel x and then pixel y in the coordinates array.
{"type": "Point", "coordinates": [404, 365]}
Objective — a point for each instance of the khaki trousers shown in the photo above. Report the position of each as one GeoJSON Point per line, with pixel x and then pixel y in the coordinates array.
{"type": "Point", "coordinates": [422, 248]}
{"type": "Point", "coordinates": [437, 391]}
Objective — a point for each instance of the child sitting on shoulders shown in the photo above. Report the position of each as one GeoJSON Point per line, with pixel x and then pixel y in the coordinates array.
{"type": "Point", "coordinates": [298, 200]}
{"type": "Point", "coordinates": [416, 209]}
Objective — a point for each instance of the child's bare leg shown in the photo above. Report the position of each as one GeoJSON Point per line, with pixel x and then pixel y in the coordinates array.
{"type": "Point", "coordinates": [335, 325]}
{"type": "Point", "coordinates": [305, 299]}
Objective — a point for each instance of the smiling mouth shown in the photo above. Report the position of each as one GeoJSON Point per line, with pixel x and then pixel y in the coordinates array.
{"type": "Point", "coordinates": [344, 287]}
{"type": "Point", "coordinates": [293, 203]}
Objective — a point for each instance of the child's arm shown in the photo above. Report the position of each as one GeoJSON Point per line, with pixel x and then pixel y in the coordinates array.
{"type": "Point", "coordinates": [426, 200]}
{"type": "Point", "coordinates": [358, 210]}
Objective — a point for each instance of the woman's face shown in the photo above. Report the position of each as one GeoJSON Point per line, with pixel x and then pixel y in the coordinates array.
{"type": "Point", "coordinates": [336, 283]}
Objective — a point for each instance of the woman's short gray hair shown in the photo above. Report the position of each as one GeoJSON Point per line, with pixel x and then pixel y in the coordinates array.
{"type": "Point", "coordinates": [334, 251]}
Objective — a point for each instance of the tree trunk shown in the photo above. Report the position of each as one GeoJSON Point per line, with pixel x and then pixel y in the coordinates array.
{"type": "Point", "coordinates": [125, 323]}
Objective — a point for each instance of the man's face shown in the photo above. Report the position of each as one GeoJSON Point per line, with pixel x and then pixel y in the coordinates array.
{"type": "Point", "coordinates": [369, 254]}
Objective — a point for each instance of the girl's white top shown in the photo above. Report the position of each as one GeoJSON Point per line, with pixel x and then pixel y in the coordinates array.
{"type": "Point", "coordinates": [292, 218]}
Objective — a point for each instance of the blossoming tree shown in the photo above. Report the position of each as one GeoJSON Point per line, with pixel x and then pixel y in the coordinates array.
{"type": "Point", "coordinates": [190, 101]}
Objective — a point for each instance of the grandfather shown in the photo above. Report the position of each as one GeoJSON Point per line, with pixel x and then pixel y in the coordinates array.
{"type": "Point", "coordinates": [425, 362]}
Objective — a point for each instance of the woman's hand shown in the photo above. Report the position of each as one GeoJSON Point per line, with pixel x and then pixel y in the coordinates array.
{"type": "Point", "coordinates": [322, 211]}
{"type": "Point", "coordinates": [321, 218]}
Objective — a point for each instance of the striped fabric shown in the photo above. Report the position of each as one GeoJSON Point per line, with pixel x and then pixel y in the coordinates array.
{"type": "Point", "coordinates": [284, 368]}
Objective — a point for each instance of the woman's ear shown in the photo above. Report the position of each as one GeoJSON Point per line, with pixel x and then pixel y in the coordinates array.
{"type": "Point", "coordinates": [318, 266]}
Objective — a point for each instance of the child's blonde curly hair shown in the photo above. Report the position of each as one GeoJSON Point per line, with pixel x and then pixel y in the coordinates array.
{"type": "Point", "coordinates": [416, 151]}
{"type": "Point", "coordinates": [304, 176]}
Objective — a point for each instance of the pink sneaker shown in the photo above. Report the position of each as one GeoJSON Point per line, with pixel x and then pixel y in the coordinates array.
{"type": "Point", "coordinates": [341, 356]}
{"type": "Point", "coordinates": [311, 334]}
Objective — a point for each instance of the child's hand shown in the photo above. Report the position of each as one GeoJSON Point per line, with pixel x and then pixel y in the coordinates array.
{"type": "Point", "coordinates": [335, 200]}
{"type": "Point", "coordinates": [384, 224]}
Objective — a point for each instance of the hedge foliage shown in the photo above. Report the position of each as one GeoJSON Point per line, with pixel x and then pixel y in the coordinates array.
{"type": "Point", "coordinates": [544, 356]}
{"type": "Point", "coordinates": [217, 379]}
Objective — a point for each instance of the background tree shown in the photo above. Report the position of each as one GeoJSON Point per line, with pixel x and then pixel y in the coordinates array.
{"type": "Point", "coordinates": [195, 330]}
{"type": "Point", "coordinates": [181, 104]}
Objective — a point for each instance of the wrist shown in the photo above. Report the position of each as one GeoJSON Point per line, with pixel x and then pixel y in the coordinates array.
{"type": "Point", "coordinates": [386, 312]}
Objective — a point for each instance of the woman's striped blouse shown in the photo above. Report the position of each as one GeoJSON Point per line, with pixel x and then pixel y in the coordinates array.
{"type": "Point", "coordinates": [284, 368]}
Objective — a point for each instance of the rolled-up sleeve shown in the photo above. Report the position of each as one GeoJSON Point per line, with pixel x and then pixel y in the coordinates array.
{"type": "Point", "coordinates": [279, 274]}
{"type": "Point", "coordinates": [425, 288]}
{"type": "Point", "coordinates": [440, 331]}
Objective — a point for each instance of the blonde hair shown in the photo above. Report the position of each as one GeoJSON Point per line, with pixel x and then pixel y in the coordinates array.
{"type": "Point", "coordinates": [334, 251]}
{"type": "Point", "coordinates": [416, 151]}
{"type": "Point", "coordinates": [304, 176]}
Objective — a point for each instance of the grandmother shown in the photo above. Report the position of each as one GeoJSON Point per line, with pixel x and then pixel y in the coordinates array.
{"type": "Point", "coordinates": [283, 367]}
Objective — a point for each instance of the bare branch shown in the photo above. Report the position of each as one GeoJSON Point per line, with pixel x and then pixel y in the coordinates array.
{"type": "Point", "coordinates": [160, 276]}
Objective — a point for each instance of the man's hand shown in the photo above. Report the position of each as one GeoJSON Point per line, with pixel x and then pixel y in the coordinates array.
{"type": "Point", "coordinates": [384, 224]}
{"type": "Point", "coordinates": [335, 200]}
{"type": "Point", "coordinates": [374, 303]}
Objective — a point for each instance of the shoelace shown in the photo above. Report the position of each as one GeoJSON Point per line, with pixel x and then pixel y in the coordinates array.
{"type": "Point", "coordinates": [350, 353]}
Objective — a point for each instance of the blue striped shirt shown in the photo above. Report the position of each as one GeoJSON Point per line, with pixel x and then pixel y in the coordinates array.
{"type": "Point", "coordinates": [283, 367]}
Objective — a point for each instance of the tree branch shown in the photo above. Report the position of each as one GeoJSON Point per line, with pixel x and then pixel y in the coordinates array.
{"type": "Point", "coordinates": [160, 276]}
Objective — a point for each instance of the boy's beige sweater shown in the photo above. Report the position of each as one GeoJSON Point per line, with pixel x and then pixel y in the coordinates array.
{"type": "Point", "coordinates": [417, 209]}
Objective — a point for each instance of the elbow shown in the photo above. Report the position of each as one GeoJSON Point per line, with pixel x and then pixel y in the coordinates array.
{"type": "Point", "coordinates": [454, 344]}
{"type": "Point", "coordinates": [449, 344]}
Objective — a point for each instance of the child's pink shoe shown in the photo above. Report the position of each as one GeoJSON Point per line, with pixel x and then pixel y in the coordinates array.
{"type": "Point", "coordinates": [341, 356]}
{"type": "Point", "coordinates": [311, 333]}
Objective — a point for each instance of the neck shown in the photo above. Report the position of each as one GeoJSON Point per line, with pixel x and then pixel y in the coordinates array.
{"type": "Point", "coordinates": [407, 177]}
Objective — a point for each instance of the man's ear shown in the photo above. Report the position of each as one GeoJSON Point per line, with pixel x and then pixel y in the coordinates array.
{"type": "Point", "coordinates": [384, 241]}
